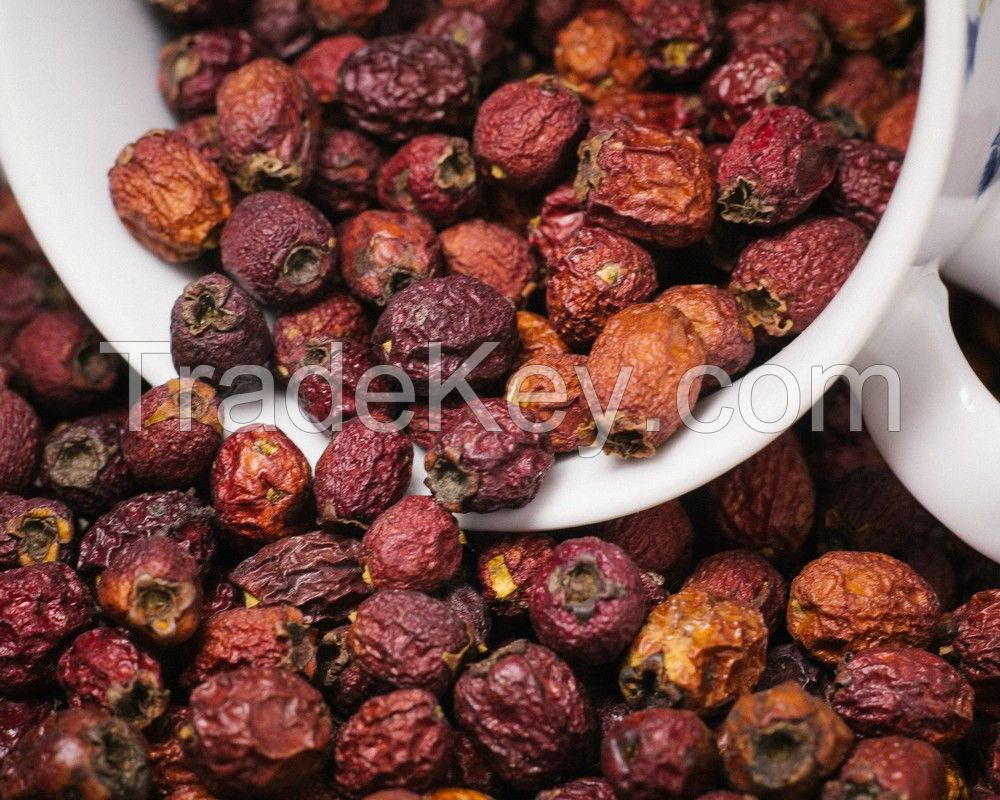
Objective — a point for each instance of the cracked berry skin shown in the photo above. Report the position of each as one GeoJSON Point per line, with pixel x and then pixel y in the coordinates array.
{"type": "Point", "coordinates": [280, 249]}
{"type": "Point", "coordinates": [462, 315]}
{"type": "Point", "coordinates": [17, 717]}
{"type": "Point", "coordinates": [507, 568]}
{"type": "Point", "coordinates": [549, 385]}
{"type": "Point", "coordinates": [397, 87]}
{"type": "Point", "coordinates": [659, 539]}
{"type": "Point", "coordinates": [861, 91]}
{"type": "Point", "coordinates": [494, 254]}
{"type": "Point", "coordinates": [560, 216]}
{"type": "Point", "coordinates": [778, 163]}
{"type": "Point", "coordinates": [304, 336]}
{"type": "Point", "coordinates": [43, 606]}
{"type": "Point", "coordinates": [153, 588]}
{"type": "Point", "coordinates": [525, 710]}
{"type": "Point", "coordinates": [891, 766]}
{"type": "Point", "coordinates": [399, 739]}
{"type": "Point", "coordinates": [83, 753]}
{"type": "Point", "coordinates": [470, 468]}
{"type": "Point", "coordinates": [866, 176]}
{"type": "Point", "coordinates": [659, 753]}
{"type": "Point", "coordinates": [20, 428]}
{"type": "Point", "coordinates": [257, 732]}
{"type": "Point", "coordinates": [103, 668]}
{"type": "Point", "coordinates": [361, 473]}
{"type": "Point", "coordinates": [34, 531]}
{"type": "Point", "coordinates": [321, 63]}
{"type": "Point", "coordinates": [345, 180]}
{"type": "Point", "coordinates": [586, 603]}
{"type": "Point", "coordinates": [679, 37]}
{"type": "Point", "coordinates": [903, 692]}
{"type": "Point", "coordinates": [409, 640]}
{"type": "Point", "coordinates": [744, 576]}
{"type": "Point", "coordinates": [526, 132]}
{"type": "Point", "coordinates": [413, 544]}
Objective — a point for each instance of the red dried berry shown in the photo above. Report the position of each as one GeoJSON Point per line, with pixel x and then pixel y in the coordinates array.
{"type": "Point", "coordinates": [785, 25]}
{"type": "Point", "coordinates": [470, 605]}
{"type": "Point", "coordinates": [335, 15]}
{"type": "Point", "coordinates": [506, 571]}
{"type": "Point", "coordinates": [343, 683]}
{"type": "Point", "coordinates": [547, 386]}
{"type": "Point", "coordinates": [859, 25]}
{"type": "Point", "coordinates": [659, 539]}
{"type": "Point", "coordinates": [861, 91]}
{"type": "Point", "coordinates": [896, 124]}
{"type": "Point", "coordinates": [203, 134]}
{"type": "Point", "coordinates": [471, 30]}
{"type": "Point", "coordinates": [20, 428]}
{"type": "Point", "coordinates": [300, 335]}
{"type": "Point", "coordinates": [499, 13]}
{"type": "Point", "coordinates": [345, 365]}
{"type": "Point", "coordinates": [670, 111]}
{"type": "Point", "coordinates": [17, 718]}
{"type": "Point", "coordinates": [345, 179]}
{"type": "Point", "coordinates": [788, 662]}
{"type": "Point", "coordinates": [581, 789]}
{"type": "Point", "coordinates": [744, 576]}
{"type": "Point", "coordinates": [321, 63]}
{"type": "Point", "coordinates": [977, 647]}
{"type": "Point", "coordinates": [893, 766]}
{"type": "Point", "coordinates": [193, 67]}
{"type": "Point", "coordinates": [560, 216]}
{"type": "Point", "coordinates": [597, 52]}
{"type": "Point", "coordinates": [34, 531]}
{"type": "Point", "coordinates": [284, 28]}
{"type": "Point", "coordinates": [679, 37]}
{"type": "Point", "coordinates": [493, 254]}
{"type": "Point", "coordinates": [866, 176]}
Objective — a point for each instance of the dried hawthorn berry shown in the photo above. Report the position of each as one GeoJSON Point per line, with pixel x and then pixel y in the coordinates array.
{"type": "Point", "coordinates": [594, 275]}
{"type": "Point", "coordinates": [647, 183]}
{"type": "Point", "coordinates": [152, 587]}
{"type": "Point", "coordinates": [471, 30]}
{"type": "Point", "coordinates": [525, 710]}
{"type": "Point", "coordinates": [345, 363]}
{"type": "Point", "coordinates": [934, 565]}
{"type": "Point", "coordinates": [597, 52]}
{"type": "Point", "coordinates": [409, 640]}
{"type": "Point", "coordinates": [859, 25]}
{"type": "Point", "coordinates": [581, 789]}
{"type": "Point", "coordinates": [280, 248]}
{"type": "Point", "coordinates": [43, 605]}
{"type": "Point", "coordinates": [22, 432]}
{"type": "Point", "coordinates": [192, 67]}
{"type": "Point", "coordinates": [493, 254]}
{"type": "Point", "coordinates": [175, 514]}
{"type": "Point", "coordinates": [361, 473]}
{"type": "Point", "coordinates": [861, 91]}
{"type": "Point", "coordinates": [397, 87]}
{"type": "Point", "coordinates": [268, 125]}
{"type": "Point", "coordinates": [174, 431]}
{"type": "Point", "coordinates": [383, 252]}
{"type": "Point", "coordinates": [414, 544]}
{"type": "Point", "coordinates": [904, 692]}
{"type": "Point", "coordinates": [893, 766]}
{"type": "Point", "coordinates": [260, 484]}
{"type": "Point", "coordinates": [283, 27]}
{"type": "Point", "coordinates": [17, 718]}
{"type": "Point", "coordinates": [203, 133]}
{"type": "Point", "coordinates": [549, 385]}
{"type": "Point", "coordinates": [472, 468]}
{"type": "Point", "coordinates": [104, 669]}
{"type": "Point", "coordinates": [306, 336]}
{"type": "Point", "coordinates": [171, 775]}
{"type": "Point", "coordinates": [977, 647]}
{"type": "Point", "coordinates": [866, 175]}
{"type": "Point", "coordinates": [785, 25]}
{"type": "Point", "coordinates": [257, 732]}
{"type": "Point", "coordinates": [34, 531]}
{"type": "Point", "coordinates": [262, 636]}
{"type": "Point", "coordinates": [459, 317]}
{"type": "Point", "coordinates": [170, 197]}
{"type": "Point", "coordinates": [585, 602]}
{"type": "Point", "coordinates": [767, 502]}
{"type": "Point", "coordinates": [186, 13]}
{"type": "Point", "coordinates": [896, 124]}
{"type": "Point", "coordinates": [697, 651]}
{"type": "Point", "coordinates": [499, 13]}
{"type": "Point", "coordinates": [333, 16]}
{"type": "Point", "coordinates": [215, 323]}
{"type": "Point", "coordinates": [317, 573]}
{"type": "Point", "coordinates": [744, 576]}
{"type": "Point", "coordinates": [526, 131]}
{"type": "Point", "coordinates": [57, 358]}
{"type": "Point", "coordinates": [660, 345]}
{"type": "Point", "coordinates": [778, 163]}
{"type": "Point", "coordinates": [399, 739]}
{"type": "Point", "coordinates": [846, 601]}
{"type": "Point", "coordinates": [784, 281]}
{"type": "Point", "coordinates": [433, 175]}
{"type": "Point", "coordinates": [668, 110]}
{"type": "Point", "coordinates": [659, 539]}
{"type": "Point", "coordinates": [679, 37]}
{"type": "Point", "coordinates": [782, 742]}
{"type": "Point", "coordinates": [320, 64]}
{"type": "Point", "coordinates": [79, 752]}
{"type": "Point", "coordinates": [788, 662]}
{"type": "Point", "coordinates": [345, 179]}
{"type": "Point", "coordinates": [507, 568]}
{"type": "Point", "coordinates": [538, 337]}
{"type": "Point", "coordinates": [470, 605]}
{"type": "Point", "coordinates": [560, 216]}
{"type": "Point", "coordinates": [343, 683]}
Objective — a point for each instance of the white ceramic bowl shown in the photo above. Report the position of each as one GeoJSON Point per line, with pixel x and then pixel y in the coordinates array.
{"type": "Point", "coordinates": [78, 81]}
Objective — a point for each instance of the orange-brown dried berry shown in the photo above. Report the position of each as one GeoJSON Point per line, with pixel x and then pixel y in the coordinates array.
{"type": "Point", "coordinates": [597, 51]}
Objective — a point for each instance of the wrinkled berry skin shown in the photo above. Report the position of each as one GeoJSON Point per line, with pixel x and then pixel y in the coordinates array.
{"type": "Point", "coordinates": [383, 252]}
{"type": "Point", "coordinates": [470, 605]}
{"type": "Point", "coordinates": [305, 336]}
{"type": "Point", "coordinates": [526, 131]}
{"type": "Point", "coordinates": [397, 87]}
{"type": "Point", "coordinates": [866, 175]}
{"type": "Point", "coordinates": [317, 573]}
{"type": "Point", "coordinates": [647, 184]}
{"type": "Point", "coordinates": [893, 766]}
{"type": "Point", "coordinates": [862, 90]}
{"type": "Point", "coordinates": [268, 126]}
{"type": "Point", "coordinates": [904, 692]}
{"type": "Point", "coordinates": [471, 30]}
{"type": "Point", "coordinates": [349, 363]}
{"type": "Point", "coordinates": [20, 428]}
{"type": "Point", "coordinates": [671, 111]}
{"type": "Point", "coordinates": [846, 601]}
{"type": "Point", "coordinates": [859, 25]}
{"type": "Point", "coordinates": [659, 539]}
{"type": "Point", "coordinates": [169, 196]}
{"type": "Point", "coordinates": [283, 28]}
{"type": "Point", "coordinates": [744, 576]}
{"type": "Point", "coordinates": [776, 166]}
{"type": "Point", "coordinates": [788, 662]}
{"type": "Point", "coordinates": [320, 64]}
{"type": "Point", "coordinates": [35, 531]}
{"type": "Point", "coordinates": [538, 337]}
{"type": "Point", "coordinates": [43, 605]}
{"type": "Point", "coordinates": [174, 514]}
{"type": "Point", "coordinates": [152, 587]}
{"type": "Point", "coordinates": [192, 67]}
{"type": "Point", "coordinates": [343, 683]}
{"type": "Point", "coordinates": [507, 568]}
{"type": "Point", "coordinates": [361, 473]}
{"type": "Point", "coordinates": [17, 718]}
{"type": "Point", "coordinates": [585, 602]}
{"type": "Point", "coordinates": [260, 484]}
{"type": "Point", "coordinates": [280, 248]}
{"type": "Point", "coordinates": [470, 468]}
{"type": "Point", "coordinates": [83, 753]}
{"type": "Point", "coordinates": [203, 133]}
{"type": "Point", "coordinates": [57, 358]}
{"type": "Point", "coordinates": [560, 216]}
{"type": "Point", "coordinates": [345, 179]}
{"type": "Point", "coordinates": [542, 376]}
{"type": "Point", "coordinates": [782, 742]}
{"type": "Point", "coordinates": [104, 669]}
{"type": "Point", "coordinates": [679, 37]}
{"type": "Point", "coordinates": [462, 315]}
{"type": "Point", "coordinates": [977, 647]}
{"type": "Point", "coordinates": [784, 281]}
{"type": "Point", "coordinates": [409, 640]}
{"type": "Point", "coordinates": [400, 739]}
{"type": "Point", "coordinates": [659, 753]}
{"type": "Point", "coordinates": [493, 254]}
{"type": "Point", "coordinates": [334, 15]}
{"type": "Point", "coordinates": [582, 789]}
{"type": "Point", "coordinates": [597, 52]}
{"type": "Point", "coordinates": [770, 24]}
{"type": "Point", "coordinates": [525, 710]}
{"type": "Point", "coordinates": [257, 732]}
{"type": "Point", "coordinates": [158, 449]}
{"type": "Point", "coordinates": [414, 544]}
{"type": "Point", "coordinates": [433, 175]}
{"type": "Point", "coordinates": [697, 651]}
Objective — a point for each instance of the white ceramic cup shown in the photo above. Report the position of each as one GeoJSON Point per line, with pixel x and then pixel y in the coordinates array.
{"type": "Point", "coordinates": [78, 81]}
